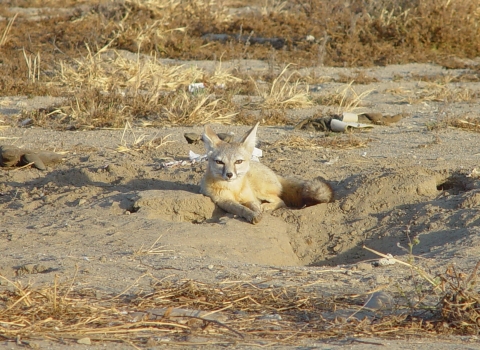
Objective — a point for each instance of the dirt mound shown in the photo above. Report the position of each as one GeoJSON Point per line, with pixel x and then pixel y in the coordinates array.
{"type": "Point", "coordinates": [176, 206]}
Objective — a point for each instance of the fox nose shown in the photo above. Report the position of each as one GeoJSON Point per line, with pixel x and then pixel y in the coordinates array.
{"type": "Point", "coordinates": [229, 175]}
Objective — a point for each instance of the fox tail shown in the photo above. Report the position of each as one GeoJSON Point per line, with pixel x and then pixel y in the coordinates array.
{"type": "Point", "coordinates": [299, 194]}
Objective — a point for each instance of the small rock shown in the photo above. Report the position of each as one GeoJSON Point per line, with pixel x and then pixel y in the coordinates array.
{"type": "Point", "coordinates": [379, 301]}
{"type": "Point", "coordinates": [26, 122]}
{"type": "Point", "coordinates": [31, 269]}
{"type": "Point", "coordinates": [23, 196]}
{"type": "Point", "coordinates": [271, 317]}
{"type": "Point", "coordinates": [85, 341]}
{"type": "Point", "coordinates": [386, 261]}
{"type": "Point", "coordinates": [192, 137]}
{"type": "Point", "coordinates": [364, 266]}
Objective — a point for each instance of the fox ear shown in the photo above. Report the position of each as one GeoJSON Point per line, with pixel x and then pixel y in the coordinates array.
{"type": "Point", "coordinates": [250, 137]}
{"type": "Point", "coordinates": [210, 139]}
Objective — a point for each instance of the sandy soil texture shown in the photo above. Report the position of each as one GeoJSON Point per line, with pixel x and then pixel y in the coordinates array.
{"type": "Point", "coordinates": [114, 214]}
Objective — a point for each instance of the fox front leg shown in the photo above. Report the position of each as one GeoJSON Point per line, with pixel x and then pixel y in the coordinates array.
{"type": "Point", "coordinates": [252, 214]}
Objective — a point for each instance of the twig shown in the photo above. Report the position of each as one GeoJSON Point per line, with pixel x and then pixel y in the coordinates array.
{"type": "Point", "coordinates": [417, 269]}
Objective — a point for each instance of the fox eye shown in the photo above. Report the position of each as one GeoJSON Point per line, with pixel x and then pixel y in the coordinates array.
{"type": "Point", "coordinates": [219, 162]}
{"type": "Point", "coordinates": [240, 161]}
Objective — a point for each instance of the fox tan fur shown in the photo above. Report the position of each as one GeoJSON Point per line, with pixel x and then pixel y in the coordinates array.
{"type": "Point", "coordinates": [248, 188]}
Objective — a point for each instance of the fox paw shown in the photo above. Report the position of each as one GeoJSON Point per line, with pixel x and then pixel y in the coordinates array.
{"type": "Point", "coordinates": [273, 206]}
{"type": "Point", "coordinates": [256, 218]}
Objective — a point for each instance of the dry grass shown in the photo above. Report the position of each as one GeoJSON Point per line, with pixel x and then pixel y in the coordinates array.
{"type": "Point", "coordinates": [187, 109]}
{"type": "Point", "coordinates": [356, 34]}
{"type": "Point", "coordinates": [134, 73]}
{"type": "Point", "coordinates": [282, 93]}
{"type": "Point", "coordinates": [467, 123]}
{"type": "Point", "coordinates": [109, 88]}
{"type": "Point", "coordinates": [6, 31]}
{"type": "Point", "coordinates": [132, 141]}
{"type": "Point", "coordinates": [346, 98]}
{"type": "Point", "coordinates": [154, 249]}
{"type": "Point", "coordinates": [230, 313]}
{"type": "Point", "coordinates": [265, 116]}
{"type": "Point", "coordinates": [105, 58]}
{"type": "Point", "coordinates": [381, 31]}
{"type": "Point", "coordinates": [344, 142]}
{"type": "Point", "coordinates": [359, 78]}
{"type": "Point", "coordinates": [461, 302]}
{"type": "Point", "coordinates": [433, 92]}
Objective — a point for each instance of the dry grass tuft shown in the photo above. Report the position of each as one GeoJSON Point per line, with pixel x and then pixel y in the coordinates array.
{"type": "Point", "coordinates": [274, 117]}
{"type": "Point", "coordinates": [111, 88]}
{"type": "Point", "coordinates": [466, 123]}
{"type": "Point", "coordinates": [434, 92]}
{"type": "Point", "coordinates": [345, 142]}
{"type": "Point", "coordinates": [154, 249]}
{"type": "Point", "coordinates": [461, 303]}
{"type": "Point", "coordinates": [188, 109]}
{"type": "Point", "coordinates": [6, 31]}
{"type": "Point", "coordinates": [359, 78]}
{"type": "Point", "coordinates": [132, 74]}
{"type": "Point", "coordinates": [266, 117]}
{"type": "Point", "coordinates": [131, 141]}
{"type": "Point", "coordinates": [282, 93]}
{"type": "Point", "coordinates": [347, 99]}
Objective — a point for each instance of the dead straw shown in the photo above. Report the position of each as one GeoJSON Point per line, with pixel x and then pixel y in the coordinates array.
{"type": "Point", "coordinates": [4, 38]}
{"type": "Point", "coordinates": [220, 313]}
{"type": "Point", "coordinates": [344, 142]}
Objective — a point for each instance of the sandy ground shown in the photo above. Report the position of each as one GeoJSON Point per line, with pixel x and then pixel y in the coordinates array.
{"type": "Point", "coordinates": [100, 208]}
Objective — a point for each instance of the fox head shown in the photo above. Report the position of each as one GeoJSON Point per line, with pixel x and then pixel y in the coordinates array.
{"type": "Point", "coordinates": [229, 161]}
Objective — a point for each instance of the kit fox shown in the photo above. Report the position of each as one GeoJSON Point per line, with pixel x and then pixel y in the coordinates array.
{"type": "Point", "coordinates": [247, 188]}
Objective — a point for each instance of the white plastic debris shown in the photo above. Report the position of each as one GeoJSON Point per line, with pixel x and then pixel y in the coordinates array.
{"type": "Point", "coordinates": [332, 161]}
{"type": "Point", "coordinates": [349, 120]}
{"type": "Point", "coordinates": [386, 261]}
{"type": "Point", "coordinates": [196, 87]}
{"type": "Point", "coordinates": [257, 153]}
{"type": "Point", "coordinates": [474, 173]}
{"type": "Point", "coordinates": [174, 163]}
{"type": "Point", "coordinates": [348, 117]}
{"type": "Point", "coordinates": [194, 157]}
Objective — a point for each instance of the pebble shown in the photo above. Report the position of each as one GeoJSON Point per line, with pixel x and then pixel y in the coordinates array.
{"type": "Point", "coordinates": [379, 301]}
{"type": "Point", "coordinates": [85, 341]}
{"type": "Point", "coordinates": [364, 266]}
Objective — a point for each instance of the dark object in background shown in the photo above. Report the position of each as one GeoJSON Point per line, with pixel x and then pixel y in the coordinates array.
{"type": "Point", "coordinates": [11, 156]}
